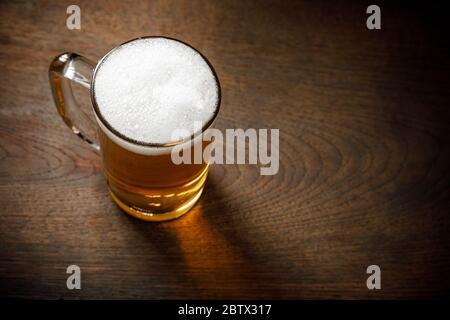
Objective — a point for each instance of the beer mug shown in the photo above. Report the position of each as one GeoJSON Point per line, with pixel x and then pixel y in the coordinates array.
{"type": "Point", "coordinates": [140, 92]}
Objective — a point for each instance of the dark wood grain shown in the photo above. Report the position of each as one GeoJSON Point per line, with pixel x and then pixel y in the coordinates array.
{"type": "Point", "coordinates": [364, 150]}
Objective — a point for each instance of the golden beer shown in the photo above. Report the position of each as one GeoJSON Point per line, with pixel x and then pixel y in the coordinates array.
{"type": "Point", "coordinates": [147, 186]}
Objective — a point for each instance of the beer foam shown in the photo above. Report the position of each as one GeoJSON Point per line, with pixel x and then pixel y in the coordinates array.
{"type": "Point", "coordinates": [150, 87]}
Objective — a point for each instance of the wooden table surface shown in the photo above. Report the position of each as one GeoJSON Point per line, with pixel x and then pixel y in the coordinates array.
{"type": "Point", "coordinates": [364, 156]}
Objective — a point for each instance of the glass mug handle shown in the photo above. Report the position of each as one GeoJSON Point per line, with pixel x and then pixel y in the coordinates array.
{"type": "Point", "coordinates": [65, 68]}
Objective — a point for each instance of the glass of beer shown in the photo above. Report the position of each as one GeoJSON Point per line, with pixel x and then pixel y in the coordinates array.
{"type": "Point", "coordinates": [142, 92]}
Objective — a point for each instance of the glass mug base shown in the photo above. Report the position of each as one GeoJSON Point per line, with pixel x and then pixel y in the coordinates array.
{"type": "Point", "coordinates": [148, 216]}
{"type": "Point", "coordinates": [157, 204]}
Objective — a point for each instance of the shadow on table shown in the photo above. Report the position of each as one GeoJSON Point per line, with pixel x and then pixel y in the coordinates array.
{"type": "Point", "coordinates": [201, 253]}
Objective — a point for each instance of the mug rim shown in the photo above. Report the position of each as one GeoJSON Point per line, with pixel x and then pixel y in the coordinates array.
{"type": "Point", "coordinates": [153, 144]}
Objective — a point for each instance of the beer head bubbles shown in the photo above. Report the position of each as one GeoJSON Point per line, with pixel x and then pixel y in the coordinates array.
{"type": "Point", "coordinates": [149, 87]}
